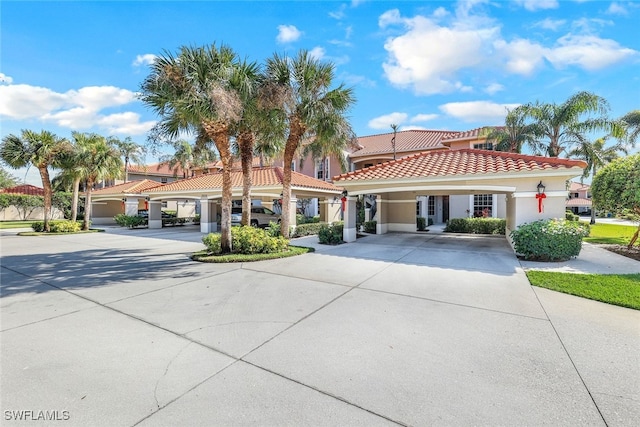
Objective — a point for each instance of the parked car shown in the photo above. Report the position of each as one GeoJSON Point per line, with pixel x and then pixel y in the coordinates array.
{"type": "Point", "coordinates": [260, 216]}
{"type": "Point", "coordinates": [145, 214]}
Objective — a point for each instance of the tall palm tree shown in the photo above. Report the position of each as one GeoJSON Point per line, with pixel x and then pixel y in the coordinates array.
{"type": "Point", "coordinates": [42, 150]}
{"type": "Point", "coordinates": [514, 135]}
{"type": "Point", "coordinates": [71, 167]}
{"type": "Point", "coordinates": [98, 160]}
{"type": "Point", "coordinates": [563, 125]}
{"type": "Point", "coordinates": [306, 103]}
{"type": "Point", "coordinates": [130, 151]}
{"type": "Point", "coordinates": [596, 155]}
{"type": "Point", "coordinates": [193, 92]}
{"type": "Point", "coordinates": [188, 156]}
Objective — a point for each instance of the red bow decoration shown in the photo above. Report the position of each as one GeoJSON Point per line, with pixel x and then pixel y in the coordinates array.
{"type": "Point", "coordinates": [540, 197]}
{"type": "Point", "coordinates": [344, 200]}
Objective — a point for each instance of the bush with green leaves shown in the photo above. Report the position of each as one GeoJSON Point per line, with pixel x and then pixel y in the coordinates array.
{"type": "Point", "coordinates": [130, 221]}
{"type": "Point", "coordinates": [247, 240]}
{"type": "Point", "coordinates": [308, 229]}
{"type": "Point", "coordinates": [331, 234]}
{"type": "Point", "coordinates": [476, 225]}
{"type": "Point", "coordinates": [421, 223]}
{"type": "Point", "coordinates": [570, 216]}
{"type": "Point", "coordinates": [370, 226]}
{"type": "Point", "coordinates": [58, 226]}
{"type": "Point", "coordinates": [549, 239]}
{"type": "Point", "coordinates": [301, 219]}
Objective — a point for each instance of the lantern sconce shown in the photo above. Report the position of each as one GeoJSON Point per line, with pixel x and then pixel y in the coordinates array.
{"type": "Point", "coordinates": [541, 196]}
{"type": "Point", "coordinates": [541, 188]}
{"type": "Point", "coordinates": [344, 193]}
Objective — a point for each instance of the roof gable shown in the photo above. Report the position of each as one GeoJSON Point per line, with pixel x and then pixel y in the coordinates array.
{"type": "Point", "coordinates": [131, 187]}
{"type": "Point", "coordinates": [406, 141]}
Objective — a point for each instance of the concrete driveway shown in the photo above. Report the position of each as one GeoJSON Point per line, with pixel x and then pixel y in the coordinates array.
{"type": "Point", "coordinates": [121, 328]}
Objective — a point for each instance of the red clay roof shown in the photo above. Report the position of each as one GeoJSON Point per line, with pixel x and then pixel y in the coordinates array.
{"type": "Point", "coordinates": [576, 186]}
{"type": "Point", "coordinates": [130, 187]}
{"type": "Point", "coordinates": [262, 177]}
{"type": "Point", "coordinates": [24, 189]}
{"type": "Point", "coordinates": [578, 202]}
{"type": "Point", "coordinates": [458, 162]}
{"type": "Point", "coordinates": [160, 169]}
{"type": "Point", "coordinates": [406, 140]}
{"type": "Point", "coordinates": [469, 134]}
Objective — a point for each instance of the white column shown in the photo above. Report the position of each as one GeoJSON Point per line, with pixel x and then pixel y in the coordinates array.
{"type": "Point", "coordinates": [381, 214]}
{"type": "Point", "coordinates": [208, 216]}
{"type": "Point", "coordinates": [349, 232]}
{"type": "Point", "coordinates": [131, 206]}
{"type": "Point", "coordinates": [293, 209]}
{"type": "Point", "coordinates": [155, 214]}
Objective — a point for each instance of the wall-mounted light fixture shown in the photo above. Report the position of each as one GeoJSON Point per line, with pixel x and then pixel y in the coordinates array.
{"type": "Point", "coordinates": [540, 196]}
{"type": "Point", "coordinates": [541, 188]}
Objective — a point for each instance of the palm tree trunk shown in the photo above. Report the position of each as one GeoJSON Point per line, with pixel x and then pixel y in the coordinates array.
{"type": "Point", "coordinates": [218, 133]}
{"type": "Point", "coordinates": [593, 210]}
{"type": "Point", "coordinates": [245, 142]}
{"type": "Point", "coordinates": [87, 206]}
{"type": "Point", "coordinates": [48, 194]}
{"type": "Point", "coordinates": [74, 200]}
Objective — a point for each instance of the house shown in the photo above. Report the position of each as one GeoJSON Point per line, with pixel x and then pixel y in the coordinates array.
{"type": "Point", "coordinates": [579, 199]}
{"type": "Point", "coordinates": [18, 213]}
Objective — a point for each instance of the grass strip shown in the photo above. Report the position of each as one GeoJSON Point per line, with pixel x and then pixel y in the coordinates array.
{"type": "Point", "coordinates": [41, 233]}
{"type": "Point", "coordinates": [204, 256]}
{"type": "Point", "coordinates": [617, 289]}
{"type": "Point", "coordinates": [15, 224]}
{"type": "Point", "coordinates": [612, 234]}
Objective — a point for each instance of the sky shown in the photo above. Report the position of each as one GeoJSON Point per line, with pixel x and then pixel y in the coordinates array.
{"type": "Point", "coordinates": [456, 65]}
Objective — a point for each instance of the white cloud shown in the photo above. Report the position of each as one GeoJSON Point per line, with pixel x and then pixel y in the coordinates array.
{"type": "Point", "coordinates": [550, 24]}
{"type": "Point", "coordinates": [428, 56]}
{"type": "Point", "coordinates": [440, 12]}
{"type": "Point", "coordinates": [288, 34]}
{"type": "Point", "coordinates": [146, 59]}
{"type": "Point", "coordinates": [317, 53]}
{"type": "Point", "coordinates": [588, 52]}
{"type": "Point", "coordinates": [616, 8]}
{"type": "Point", "coordinates": [477, 111]}
{"type": "Point", "coordinates": [339, 13]}
{"type": "Point", "coordinates": [423, 118]}
{"type": "Point", "coordinates": [494, 88]}
{"type": "Point", "coordinates": [75, 109]}
{"type": "Point", "coordinates": [5, 79]}
{"type": "Point", "coordinates": [523, 56]}
{"type": "Point", "coordinates": [385, 122]}
{"type": "Point", "coordinates": [533, 5]}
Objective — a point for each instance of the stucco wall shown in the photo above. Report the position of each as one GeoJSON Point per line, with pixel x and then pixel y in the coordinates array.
{"type": "Point", "coordinates": [11, 213]}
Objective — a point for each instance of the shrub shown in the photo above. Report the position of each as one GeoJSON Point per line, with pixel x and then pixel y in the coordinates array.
{"type": "Point", "coordinates": [370, 226]}
{"type": "Point", "coordinates": [331, 234]}
{"type": "Point", "coordinates": [58, 226]}
{"type": "Point", "coordinates": [549, 240]}
{"type": "Point", "coordinates": [430, 221]}
{"type": "Point", "coordinates": [570, 216]}
{"type": "Point", "coordinates": [130, 221]}
{"type": "Point", "coordinates": [421, 223]}
{"type": "Point", "coordinates": [247, 240]}
{"type": "Point", "coordinates": [301, 219]}
{"type": "Point", "coordinates": [308, 229]}
{"type": "Point", "coordinates": [476, 225]}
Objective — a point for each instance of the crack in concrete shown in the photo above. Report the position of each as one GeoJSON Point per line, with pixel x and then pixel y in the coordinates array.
{"type": "Point", "coordinates": [166, 370]}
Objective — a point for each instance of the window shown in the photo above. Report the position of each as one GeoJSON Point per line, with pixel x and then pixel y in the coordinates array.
{"type": "Point", "coordinates": [368, 165]}
{"type": "Point", "coordinates": [293, 165]}
{"type": "Point", "coordinates": [483, 146]}
{"type": "Point", "coordinates": [482, 205]}
{"type": "Point", "coordinates": [164, 204]}
{"type": "Point", "coordinates": [431, 206]}
{"type": "Point", "coordinates": [163, 180]}
{"type": "Point", "coordinates": [322, 169]}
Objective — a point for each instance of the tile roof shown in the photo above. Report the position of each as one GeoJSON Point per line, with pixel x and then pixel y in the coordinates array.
{"type": "Point", "coordinates": [262, 177]}
{"type": "Point", "coordinates": [406, 140]}
{"type": "Point", "coordinates": [578, 202]}
{"type": "Point", "coordinates": [458, 162]}
{"type": "Point", "coordinates": [576, 186]}
{"type": "Point", "coordinates": [24, 189]}
{"type": "Point", "coordinates": [156, 169]}
{"type": "Point", "coordinates": [130, 187]}
{"type": "Point", "coordinates": [469, 134]}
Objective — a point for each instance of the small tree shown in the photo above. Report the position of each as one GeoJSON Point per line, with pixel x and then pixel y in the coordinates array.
{"type": "Point", "coordinates": [617, 187]}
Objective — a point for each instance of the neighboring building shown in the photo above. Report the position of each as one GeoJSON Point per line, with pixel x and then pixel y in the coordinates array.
{"type": "Point", "coordinates": [579, 199]}
{"type": "Point", "coordinates": [14, 213]}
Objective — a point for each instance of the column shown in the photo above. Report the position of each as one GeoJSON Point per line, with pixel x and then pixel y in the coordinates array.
{"type": "Point", "coordinates": [155, 214]}
{"type": "Point", "coordinates": [208, 215]}
{"type": "Point", "coordinates": [131, 206]}
{"type": "Point", "coordinates": [349, 232]}
{"type": "Point", "coordinates": [293, 209]}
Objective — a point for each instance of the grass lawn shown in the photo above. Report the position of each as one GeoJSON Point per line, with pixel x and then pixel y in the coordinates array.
{"type": "Point", "coordinates": [15, 224]}
{"type": "Point", "coordinates": [204, 256]}
{"type": "Point", "coordinates": [613, 234]}
{"type": "Point", "coordinates": [616, 289]}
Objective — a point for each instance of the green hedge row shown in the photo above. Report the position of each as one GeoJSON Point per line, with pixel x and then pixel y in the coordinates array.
{"type": "Point", "coordinates": [331, 234]}
{"type": "Point", "coordinates": [58, 226]}
{"type": "Point", "coordinates": [549, 239]}
{"type": "Point", "coordinates": [476, 225]}
{"type": "Point", "coordinates": [248, 241]}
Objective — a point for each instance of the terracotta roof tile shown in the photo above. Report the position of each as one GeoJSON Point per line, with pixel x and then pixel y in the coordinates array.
{"type": "Point", "coordinates": [131, 187]}
{"type": "Point", "coordinates": [457, 162]}
{"type": "Point", "coordinates": [156, 169]}
{"type": "Point", "coordinates": [262, 177]}
{"type": "Point", "coordinates": [24, 189]}
{"type": "Point", "coordinates": [469, 134]}
{"type": "Point", "coordinates": [578, 202]}
{"type": "Point", "coordinates": [407, 140]}
{"type": "Point", "coordinates": [576, 186]}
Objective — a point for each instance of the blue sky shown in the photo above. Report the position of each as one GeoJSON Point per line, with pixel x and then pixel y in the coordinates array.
{"type": "Point", "coordinates": [457, 65]}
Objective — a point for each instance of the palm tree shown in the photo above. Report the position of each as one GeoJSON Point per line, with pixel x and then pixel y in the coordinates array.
{"type": "Point", "coordinates": [596, 155]}
{"type": "Point", "coordinates": [98, 160]}
{"type": "Point", "coordinates": [130, 151]}
{"type": "Point", "coordinates": [331, 141]}
{"type": "Point", "coordinates": [632, 122]}
{"type": "Point", "coordinates": [42, 150]}
{"type": "Point", "coordinates": [71, 165]}
{"type": "Point", "coordinates": [187, 156]}
{"type": "Point", "coordinates": [514, 135]}
{"type": "Point", "coordinates": [198, 91]}
{"type": "Point", "coordinates": [561, 124]}
{"type": "Point", "coordinates": [305, 104]}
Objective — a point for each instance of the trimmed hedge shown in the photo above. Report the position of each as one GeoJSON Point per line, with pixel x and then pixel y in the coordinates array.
{"type": "Point", "coordinates": [130, 221]}
{"type": "Point", "coordinates": [58, 226]}
{"type": "Point", "coordinates": [307, 229]}
{"type": "Point", "coordinates": [247, 240]}
{"type": "Point", "coordinates": [549, 239]}
{"type": "Point", "coordinates": [477, 226]}
{"type": "Point", "coordinates": [570, 216]}
{"type": "Point", "coordinates": [421, 223]}
{"type": "Point", "coordinates": [370, 226]}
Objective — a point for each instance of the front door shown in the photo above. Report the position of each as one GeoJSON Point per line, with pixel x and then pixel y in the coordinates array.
{"type": "Point", "coordinates": [445, 208]}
